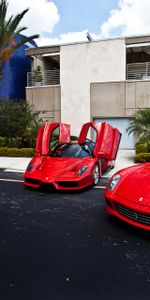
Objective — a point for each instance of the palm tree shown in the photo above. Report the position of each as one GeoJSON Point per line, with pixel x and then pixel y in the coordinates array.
{"type": "Point", "coordinates": [9, 30]}
{"type": "Point", "coordinates": [140, 124]}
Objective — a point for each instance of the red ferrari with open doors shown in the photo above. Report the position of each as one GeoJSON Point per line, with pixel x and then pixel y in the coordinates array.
{"type": "Point", "coordinates": [72, 165]}
{"type": "Point", "coordinates": [128, 195]}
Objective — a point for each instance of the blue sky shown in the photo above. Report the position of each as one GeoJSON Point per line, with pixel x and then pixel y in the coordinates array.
{"type": "Point", "coordinates": [79, 15]}
{"type": "Point", "coordinates": [64, 21]}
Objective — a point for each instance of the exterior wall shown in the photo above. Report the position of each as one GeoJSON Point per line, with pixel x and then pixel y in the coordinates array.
{"type": "Point", "coordinates": [14, 73]}
{"type": "Point", "coordinates": [47, 101]}
{"type": "Point", "coordinates": [137, 96]}
{"type": "Point", "coordinates": [108, 99]}
{"type": "Point", "coordinates": [119, 99]}
{"type": "Point", "coordinates": [81, 64]}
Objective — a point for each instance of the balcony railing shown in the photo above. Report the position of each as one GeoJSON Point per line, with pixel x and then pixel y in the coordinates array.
{"type": "Point", "coordinates": [47, 77]}
{"type": "Point", "coordinates": [138, 71]}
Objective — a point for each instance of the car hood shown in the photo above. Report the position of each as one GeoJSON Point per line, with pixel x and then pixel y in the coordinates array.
{"type": "Point", "coordinates": [135, 184]}
{"type": "Point", "coordinates": [56, 167]}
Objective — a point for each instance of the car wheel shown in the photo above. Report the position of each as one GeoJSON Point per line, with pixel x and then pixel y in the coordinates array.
{"type": "Point", "coordinates": [96, 175]}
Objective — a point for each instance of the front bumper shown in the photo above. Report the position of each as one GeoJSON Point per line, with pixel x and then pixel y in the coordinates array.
{"type": "Point", "coordinates": [59, 183]}
{"type": "Point", "coordinates": [135, 214]}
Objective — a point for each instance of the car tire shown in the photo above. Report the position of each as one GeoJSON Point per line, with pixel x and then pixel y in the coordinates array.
{"type": "Point", "coordinates": [96, 176]}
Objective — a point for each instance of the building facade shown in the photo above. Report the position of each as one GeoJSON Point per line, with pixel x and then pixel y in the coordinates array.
{"type": "Point", "coordinates": [14, 79]}
{"type": "Point", "coordinates": [106, 80]}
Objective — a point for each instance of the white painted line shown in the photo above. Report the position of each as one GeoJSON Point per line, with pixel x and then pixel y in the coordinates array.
{"type": "Point", "coordinates": [99, 187]}
{"type": "Point", "coordinates": [11, 180]}
{"type": "Point", "coordinates": [14, 171]}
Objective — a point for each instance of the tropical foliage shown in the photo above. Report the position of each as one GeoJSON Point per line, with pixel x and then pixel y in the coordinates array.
{"type": "Point", "coordinates": [140, 125]}
{"type": "Point", "coordinates": [9, 31]}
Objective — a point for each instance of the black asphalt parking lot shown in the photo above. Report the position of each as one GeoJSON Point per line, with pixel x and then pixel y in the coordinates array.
{"type": "Point", "coordinates": [56, 245]}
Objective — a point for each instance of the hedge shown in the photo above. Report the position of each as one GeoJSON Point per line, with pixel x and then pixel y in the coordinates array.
{"type": "Point", "coordinates": [142, 157]}
{"type": "Point", "coordinates": [142, 148]}
{"type": "Point", "coordinates": [14, 152]}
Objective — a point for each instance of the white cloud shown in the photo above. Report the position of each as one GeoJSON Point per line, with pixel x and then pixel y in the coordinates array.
{"type": "Point", "coordinates": [69, 37]}
{"type": "Point", "coordinates": [130, 18]}
{"type": "Point", "coordinates": [41, 17]}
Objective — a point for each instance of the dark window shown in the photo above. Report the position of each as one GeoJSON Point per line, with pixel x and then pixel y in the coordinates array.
{"type": "Point", "coordinates": [70, 151]}
{"type": "Point", "coordinates": [54, 138]}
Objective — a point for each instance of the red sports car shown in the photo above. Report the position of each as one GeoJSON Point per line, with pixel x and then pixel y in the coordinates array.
{"type": "Point", "coordinates": [67, 165]}
{"type": "Point", "coordinates": [128, 195]}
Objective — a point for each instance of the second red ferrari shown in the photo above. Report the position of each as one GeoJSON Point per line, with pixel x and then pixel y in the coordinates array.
{"type": "Point", "coordinates": [128, 195]}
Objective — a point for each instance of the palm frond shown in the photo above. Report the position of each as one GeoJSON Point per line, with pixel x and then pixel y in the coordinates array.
{"type": "Point", "coordinates": [140, 124]}
{"type": "Point", "coordinates": [3, 12]}
{"type": "Point", "coordinates": [15, 22]}
{"type": "Point", "coordinates": [9, 31]}
{"type": "Point", "coordinates": [23, 41]}
{"type": "Point", "coordinates": [18, 31]}
{"type": "Point", "coordinates": [7, 24]}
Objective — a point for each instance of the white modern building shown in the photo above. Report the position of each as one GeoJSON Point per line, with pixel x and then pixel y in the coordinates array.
{"type": "Point", "coordinates": [105, 80]}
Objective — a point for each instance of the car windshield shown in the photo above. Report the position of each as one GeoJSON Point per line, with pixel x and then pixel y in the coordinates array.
{"type": "Point", "coordinates": [71, 150]}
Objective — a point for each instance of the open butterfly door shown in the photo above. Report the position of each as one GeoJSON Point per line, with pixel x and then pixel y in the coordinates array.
{"type": "Point", "coordinates": [49, 134]}
{"type": "Point", "coordinates": [39, 141]}
{"type": "Point", "coordinates": [106, 139]}
{"type": "Point", "coordinates": [110, 140]}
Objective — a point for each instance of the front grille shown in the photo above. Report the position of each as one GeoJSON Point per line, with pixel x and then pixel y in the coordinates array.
{"type": "Point", "coordinates": [47, 186]}
{"type": "Point", "coordinates": [68, 183]}
{"type": "Point", "coordinates": [133, 215]}
{"type": "Point", "coordinates": [32, 181]}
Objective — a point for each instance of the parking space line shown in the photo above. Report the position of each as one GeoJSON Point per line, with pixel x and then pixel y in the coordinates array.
{"type": "Point", "coordinates": [11, 180]}
{"type": "Point", "coordinates": [21, 181]}
{"type": "Point", "coordinates": [99, 187]}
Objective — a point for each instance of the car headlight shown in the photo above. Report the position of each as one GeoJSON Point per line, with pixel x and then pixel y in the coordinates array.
{"type": "Point", "coordinates": [82, 170]}
{"type": "Point", "coordinates": [30, 166]}
{"type": "Point", "coordinates": [113, 182]}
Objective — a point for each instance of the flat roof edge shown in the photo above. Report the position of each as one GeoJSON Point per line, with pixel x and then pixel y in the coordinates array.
{"type": "Point", "coordinates": [57, 47]}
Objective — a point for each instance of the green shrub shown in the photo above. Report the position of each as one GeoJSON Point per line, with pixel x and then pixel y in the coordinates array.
{"type": "Point", "coordinates": [18, 123]}
{"type": "Point", "coordinates": [2, 141]}
{"type": "Point", "coordinates": [142, 157]}
{"type": "Point", "coordinates": [15, 152]}
{"type": "Point", "coordinates": [8, 142]}
{"type": "Point", "coordinates": [29, 138]}
{"type": "Point", "coordinates": [73, 138]}
{"type": "Point", "coordinates": [142, 148]}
